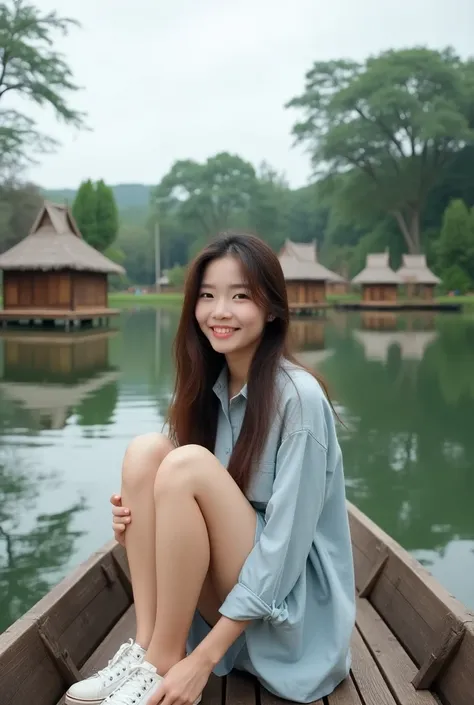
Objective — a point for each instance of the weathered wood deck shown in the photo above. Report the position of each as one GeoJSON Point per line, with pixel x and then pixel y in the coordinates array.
{"type": "Point", "coordinates": [413, 643]}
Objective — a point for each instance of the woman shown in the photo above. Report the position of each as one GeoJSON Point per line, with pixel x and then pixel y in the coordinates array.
{"type": "Point", "coordinates": [235, 526]}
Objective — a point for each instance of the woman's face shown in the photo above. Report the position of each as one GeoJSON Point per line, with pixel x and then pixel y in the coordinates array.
{"type": "Point", "coordinates": [225, 311]}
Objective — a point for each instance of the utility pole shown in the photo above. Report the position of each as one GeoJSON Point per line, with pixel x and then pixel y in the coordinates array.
{"type": "Point", "coordinates": [157, 256]}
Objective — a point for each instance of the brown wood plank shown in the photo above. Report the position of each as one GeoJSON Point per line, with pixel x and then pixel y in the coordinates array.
{"type": "Point", "coordinates": [369, 681]}
{"type": "Point", "coordinates": [395, 664]}
{"type": "Point", "coordinates": [241, 689]}
{"type": "Point", "coordinates": [345, 694]}
{"type": "Point", "coordinates": [414, 606]}
{"type": "Point", "coordinates": [77, 614]}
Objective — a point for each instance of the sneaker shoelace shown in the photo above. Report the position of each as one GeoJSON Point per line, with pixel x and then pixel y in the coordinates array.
{"type": "Point", "coordinates": [134, 688]}
{"type": "Point", "coordinates": [118, 664]}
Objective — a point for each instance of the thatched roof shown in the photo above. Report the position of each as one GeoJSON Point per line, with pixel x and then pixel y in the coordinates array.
{"type": "Point", "coordinates": [377, 271]}
{"type": "Point", "coordinates": [412, 344]}
{"type": "Point", "coordinates": [55, 242]}
{"type": "Point", "coordinates": [299, 262]}
{"type": "Point", "coordinates": [414, 270]}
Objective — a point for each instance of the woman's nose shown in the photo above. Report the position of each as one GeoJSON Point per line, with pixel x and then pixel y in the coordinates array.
{"type": "Point", "coordinates": [221, 308]}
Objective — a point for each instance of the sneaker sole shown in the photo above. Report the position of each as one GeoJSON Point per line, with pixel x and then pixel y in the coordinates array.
{"type": "Point", "coordinates": [75, 701]}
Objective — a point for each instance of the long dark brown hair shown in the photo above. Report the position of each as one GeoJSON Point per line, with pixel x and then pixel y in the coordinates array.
{"type": "Point", "coordinates": [193, 412]}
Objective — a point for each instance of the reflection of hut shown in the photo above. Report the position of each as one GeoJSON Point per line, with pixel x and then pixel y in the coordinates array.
{"type": "Point", "coordinates": [307, 334]}
{"type": "Point", "coordinates": [313, 358]}
{"type": "Point", "coordinates": [305, 253]}
{"type": "Point", "coordinates": [50, 375]}
{"type": "Point", "coordinates": [412, 344]}
{"type": "Point", "coordinates": [379, 282]}
{"type": "Point", "coordinates": [54, 274]}
{"type": "Point", "coordinates": [419, 279]}
{"type": "Point", "coordinates": [379, 320]}
{"type": "Point", "coordinates": [31, 356]}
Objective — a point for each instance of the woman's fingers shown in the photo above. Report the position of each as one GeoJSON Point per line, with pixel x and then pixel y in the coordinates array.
{"type": "Point", "coordinates": [116, 500]}
{"type": "Point", "coordinates": [121, 512]}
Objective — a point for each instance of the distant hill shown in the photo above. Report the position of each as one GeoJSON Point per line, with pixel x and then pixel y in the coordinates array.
{"type": "Point", "coordinates": [136, 196]}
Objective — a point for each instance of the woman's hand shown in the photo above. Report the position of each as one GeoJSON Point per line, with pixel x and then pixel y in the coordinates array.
{"type": "Point", "coordinates": [121, 518]}
{"type": "Point", "coordinates": [183, 683]}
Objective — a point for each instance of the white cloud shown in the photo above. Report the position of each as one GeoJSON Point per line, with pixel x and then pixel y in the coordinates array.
{"type": "Point", "coordinates": [170, 79]}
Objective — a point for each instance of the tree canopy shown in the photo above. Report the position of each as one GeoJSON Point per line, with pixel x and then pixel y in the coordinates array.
{"type": "Point", "coordinates": [31, 68]}
{"type": "Point", "coordinates": [387, 128]}
{"type": "Point", "coordinates": [95, 212]}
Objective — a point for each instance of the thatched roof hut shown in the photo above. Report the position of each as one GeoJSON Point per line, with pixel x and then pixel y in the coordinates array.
{"type": "Point", "coordinates": [379, 282]}
{"type": "Point", "coordinates": [55, 242]}
{"type": "Point", "coordinates": [414, 270]}
{"type": "Point", "coordinates": [54, 272]}
{"type": "Point", "coordinates": [306, 278]}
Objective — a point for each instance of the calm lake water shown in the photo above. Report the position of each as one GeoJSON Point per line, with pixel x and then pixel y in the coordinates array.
{"type": "Point", "coordinates": [69, 405]}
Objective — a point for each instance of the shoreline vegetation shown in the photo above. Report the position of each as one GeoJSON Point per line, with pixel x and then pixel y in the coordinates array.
{"type": "Point", "coordinates": [124, 299]}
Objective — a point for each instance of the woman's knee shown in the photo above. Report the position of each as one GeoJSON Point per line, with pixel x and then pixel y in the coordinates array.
{"type": "Point", "coordinates": [143, 458]}
{"type": "Point", "coordinates": [181, 468]}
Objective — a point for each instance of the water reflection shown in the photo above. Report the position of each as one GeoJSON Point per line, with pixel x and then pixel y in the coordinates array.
{"type": "Point", "coordinates": [69, 405]}
{"type": "Point", "coordinates": [408, 397]}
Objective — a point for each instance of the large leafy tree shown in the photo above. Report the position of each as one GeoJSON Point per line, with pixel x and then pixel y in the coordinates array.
{"type": "Point", "coordinates": [212, 194]}
{"type": "Point", "coordinates": [389, 127]}
{"type": "Point", "coordinates": [455, 247]}
{"type": "Point", "coordinates": [32, 69]}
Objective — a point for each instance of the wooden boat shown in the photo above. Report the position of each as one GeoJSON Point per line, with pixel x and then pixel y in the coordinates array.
{"type": "Point", "coordinates": [413, 643]}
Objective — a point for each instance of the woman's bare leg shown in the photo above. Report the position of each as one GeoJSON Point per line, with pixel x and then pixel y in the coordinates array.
{"type": "Point", "coordinates": [205, 529]}
{"type": "Point", "coordinates": [141, 463]}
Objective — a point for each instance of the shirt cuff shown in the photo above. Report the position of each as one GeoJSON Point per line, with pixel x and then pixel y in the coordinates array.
{"type": "Point", "coordinates": [242, 604]}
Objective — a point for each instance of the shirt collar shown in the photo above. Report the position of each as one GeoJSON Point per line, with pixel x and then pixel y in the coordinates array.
{"type": "Point", "coordinates": [220, 387]}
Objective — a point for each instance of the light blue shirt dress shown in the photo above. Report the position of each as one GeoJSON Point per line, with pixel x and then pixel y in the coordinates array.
{"type": "Point", "coordinates": [297, 584]}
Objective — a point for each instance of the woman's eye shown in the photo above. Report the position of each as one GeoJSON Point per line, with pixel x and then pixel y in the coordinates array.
{"type": "Point", "coordinates": [205, 295]}
{"type": "Point", "coordinates": [241, 296]}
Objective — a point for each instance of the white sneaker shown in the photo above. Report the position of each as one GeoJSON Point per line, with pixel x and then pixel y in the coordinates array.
{"type": "Point", "coordinates": [94, 690]}
{"type": "Point", "coordinates": [142, 681]}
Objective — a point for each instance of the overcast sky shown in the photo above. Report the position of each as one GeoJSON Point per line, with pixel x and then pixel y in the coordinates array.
{"type": "Point", "coordinates": [175, 79]}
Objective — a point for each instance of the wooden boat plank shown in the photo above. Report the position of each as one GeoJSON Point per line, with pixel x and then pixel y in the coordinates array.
{"type": "Point", "coordinates": [393, 661]}
{"type": "Point", "coordinates": [345, 694]}
{"type": "Point", "coordinates": [77, 615]}
{"type": "Point", "coordinates": [367, 677]}
{"type": "Point", "coordinates": [241, 689]}
{"type": "Point", "coordinates": [415, 607]}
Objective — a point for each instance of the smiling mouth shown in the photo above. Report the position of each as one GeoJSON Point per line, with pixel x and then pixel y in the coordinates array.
{"type": "Point", "coordinates": [223, 331]}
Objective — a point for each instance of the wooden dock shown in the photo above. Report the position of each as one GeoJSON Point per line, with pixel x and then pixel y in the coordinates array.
{"type": "Point", "coordinates": [397, 306]}
{"type": "Point", "coordinates": [38, 317]}
{"type": "Point", "coordinates": [413, 643]}
{"type": "Point", "coordinates": [309, 309]}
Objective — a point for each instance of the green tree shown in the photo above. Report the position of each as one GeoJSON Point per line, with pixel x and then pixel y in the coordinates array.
{"type": "Point", "coordinates": [390, 126]}
{"type": "Point", "coordinates": [84, 210]}
{"type": "Point", "coordinates": [32, 69]}
{"type": "Point", "coordinates": [106, 217]}
{"type": "Point", "coordinates": [455, 247]}
{"type": "Point", "coordinates": [212, 195]}
{"type": "Point", "coordinates": [19, 206]}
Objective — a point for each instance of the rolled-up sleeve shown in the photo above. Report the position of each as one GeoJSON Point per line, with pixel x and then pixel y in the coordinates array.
{"type": "Point", "coordinates": [278, 558]}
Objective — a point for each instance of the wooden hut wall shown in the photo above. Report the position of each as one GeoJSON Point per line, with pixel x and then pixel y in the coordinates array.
{"type": "Point", "coordinates": [36, 290]}
{"type": "Point", "coordinates": [337, 288]}
{"type": "Point", "coordinates": [380, 292]}
{"type": "Point", "coordinates": [306, 292]}
{"type": "Point", "coordinates": [89, 290]}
